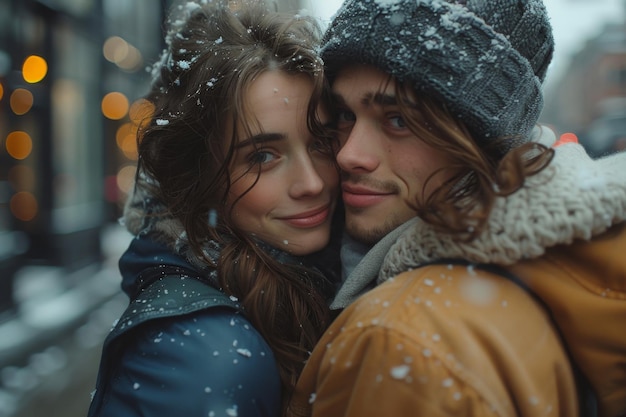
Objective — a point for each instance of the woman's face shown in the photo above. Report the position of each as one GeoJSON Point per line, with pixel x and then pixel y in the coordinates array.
{"type": "Point", "coordinates": [291, 204]}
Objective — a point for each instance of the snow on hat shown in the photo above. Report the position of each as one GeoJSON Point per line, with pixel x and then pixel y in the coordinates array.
{"type": "Point", "coordinates": [485, 59]}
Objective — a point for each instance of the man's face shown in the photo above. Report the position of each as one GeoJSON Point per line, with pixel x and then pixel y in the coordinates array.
{"type": "Point", "coordinates": [384, 164]}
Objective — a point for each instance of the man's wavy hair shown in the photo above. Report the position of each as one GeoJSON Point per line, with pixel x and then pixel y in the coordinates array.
{"type": "Point", "coordinates": [476, 175]}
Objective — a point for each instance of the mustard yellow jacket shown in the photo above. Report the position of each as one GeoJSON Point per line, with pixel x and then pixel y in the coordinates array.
{"type": "Point", "coordinates": [439, 338]}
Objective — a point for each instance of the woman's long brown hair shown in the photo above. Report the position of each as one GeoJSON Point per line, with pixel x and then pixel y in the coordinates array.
{"type": "Point", "coordinates": [188, 144]}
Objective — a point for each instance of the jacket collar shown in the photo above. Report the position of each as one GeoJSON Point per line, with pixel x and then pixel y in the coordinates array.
{"type": "Point", "coordinates": [364, 274]}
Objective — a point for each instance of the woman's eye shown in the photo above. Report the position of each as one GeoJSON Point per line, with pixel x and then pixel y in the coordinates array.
{"type": "Point", "coordinates": [261, 157]}
{"type": "Point", "coordinates": [345, 116]}
{"type": "Point", "coordinates": [397, 122]}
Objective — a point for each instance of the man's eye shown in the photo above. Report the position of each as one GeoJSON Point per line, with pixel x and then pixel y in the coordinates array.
{"type": "Point", "coordinates": [397, 122]}
{"type": "Point", "coordinates": [261, 157]}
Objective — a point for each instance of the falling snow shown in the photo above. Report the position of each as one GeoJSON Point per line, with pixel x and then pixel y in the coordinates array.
{"type": "Point", "coordinates": [244, 352]}
{"type": "Point", "coordinates": [400, 372]}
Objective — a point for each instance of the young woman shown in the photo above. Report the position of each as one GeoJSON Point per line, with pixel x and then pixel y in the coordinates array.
{"type": "Point", "coordinates": [230, 271]}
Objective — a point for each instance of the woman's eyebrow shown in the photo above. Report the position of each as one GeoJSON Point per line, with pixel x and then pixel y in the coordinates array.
{"type": "Point", "coordinates": [337, 98]}
{"type": "Point", "coordinates": [384, 99]}
{"type": "Point", "coordinates": [260, 138]}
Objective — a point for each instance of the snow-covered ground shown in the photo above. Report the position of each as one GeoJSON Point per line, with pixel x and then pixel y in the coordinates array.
{"type": "Point", "coordinates": [53, 339]}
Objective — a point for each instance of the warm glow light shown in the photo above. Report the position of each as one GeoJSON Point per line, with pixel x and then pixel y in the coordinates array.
{"type": "Point", "coordinates": [124, 130]}
{"type": "Point", "coordinates": [1, 91]}
{"type": "Point", "coordinates": [122, 54]}
{"type": "Point", "coordinates": [24, 206]}
{"type": "Point", "coordinates": [567, 137]}
{"type": "Point", "coordinates": [115, 49]}
{"type": "Point", "coordinates": [34, 69]}
{"type": "Point", "coordinates": [132, 61]}
{"type": "Point", "coordinates": [22, 178]}
{"type": "Point", "coordinates": [21, 101]}
{"type": "Point", "coordinates": [114, 105]}
{"type": "Point", "coordinates": [126, 139]}
{"type": "Point", "coordinates": [141, 111]}
{"type": "Point", "coordinates": [19, 144]}
{"type": "Point", "coordinates": [111, 192]}
{"type": "Point", "coordinates": [126, 178]}
{"type": "Point", "coordinates": [129, 147]}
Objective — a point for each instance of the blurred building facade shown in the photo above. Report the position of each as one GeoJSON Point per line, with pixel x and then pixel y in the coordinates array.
{"type": "Point", "coordinates": [70, 73]}
{"type": "Point", "coordinates": [60, 106]}
{"type": "Point", "coordinates": [590, 98]}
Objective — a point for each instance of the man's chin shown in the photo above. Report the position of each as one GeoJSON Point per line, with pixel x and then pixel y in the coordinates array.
{"type": "Point", "coordinates": [369, 233]}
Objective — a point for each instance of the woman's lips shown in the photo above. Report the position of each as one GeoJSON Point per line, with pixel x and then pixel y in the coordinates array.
{"type": "Point", "coordinates": [311, 218]}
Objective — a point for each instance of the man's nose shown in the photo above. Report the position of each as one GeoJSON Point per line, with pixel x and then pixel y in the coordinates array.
{"type": "Point", "coordinates": [359, 151]}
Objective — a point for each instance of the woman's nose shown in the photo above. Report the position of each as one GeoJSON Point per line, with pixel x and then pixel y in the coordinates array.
{"type": "Point", "coordinates": [306, 179]}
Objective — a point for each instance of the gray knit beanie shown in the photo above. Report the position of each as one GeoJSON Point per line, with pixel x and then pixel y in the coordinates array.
{"type": "Point", "coordinates": [485, 59]}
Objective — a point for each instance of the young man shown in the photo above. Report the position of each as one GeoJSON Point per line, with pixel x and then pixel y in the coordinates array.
{"type": "Point", "coordinates": [497, 256]}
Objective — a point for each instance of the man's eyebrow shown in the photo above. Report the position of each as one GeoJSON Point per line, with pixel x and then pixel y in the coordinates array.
{"type": "Point", "coordinates": [380, 99]}
{"type": "Point", "coordinates": [260, 138]}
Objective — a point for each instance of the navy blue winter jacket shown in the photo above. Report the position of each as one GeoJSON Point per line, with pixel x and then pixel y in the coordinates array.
{"type": "Point", "coordinates": [182, 348]}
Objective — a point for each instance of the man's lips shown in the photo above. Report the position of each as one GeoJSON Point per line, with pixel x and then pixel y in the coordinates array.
{"type": "Point", "coordinates": [362, 197]}
{"type": "Point", "coordinates": [311, 218]}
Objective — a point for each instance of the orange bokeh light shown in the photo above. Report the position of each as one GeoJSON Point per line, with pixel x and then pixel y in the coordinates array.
{"type": "Point", "coordinates": [19, 144]}
{"type": "Point", "coordinates": [140, 111]}
{"type": "Point", "coordinates": [34, 69]}
{"type": "Point", "coordinates": [126, 139]}
{"type": "Point", "coordinates": [126, 178]}
{"type": "Point", "coordinates": [21, 101]}
{"type": "Point", "coordinates": [114, 105]}
{"type": "Point", "coordinates": [24, 206]}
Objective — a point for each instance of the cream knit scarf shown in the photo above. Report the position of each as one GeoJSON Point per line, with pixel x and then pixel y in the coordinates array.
{"type": "Point", "coordinates": [574, 198]}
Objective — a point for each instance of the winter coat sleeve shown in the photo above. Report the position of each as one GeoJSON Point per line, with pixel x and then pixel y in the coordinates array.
{"type": "Point", "coordinates": [209, 363]}
{"type": "Point", "coordinates": [439, 341]}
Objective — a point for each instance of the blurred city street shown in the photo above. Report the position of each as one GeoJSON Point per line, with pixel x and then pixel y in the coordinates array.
{"type": "Point", "coordinates": [50, 346]}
